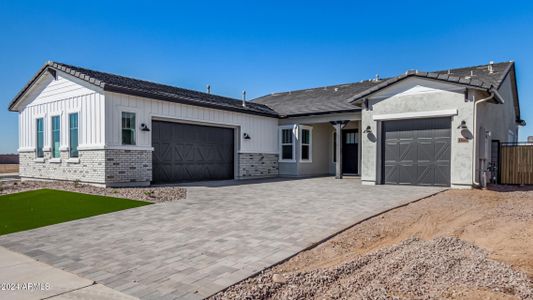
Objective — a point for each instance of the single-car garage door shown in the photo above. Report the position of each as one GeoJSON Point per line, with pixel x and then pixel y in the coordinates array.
{"type": "Point", "coordinates": [416, 152]}
{"type": "Point", "coordinates": [185, 152]}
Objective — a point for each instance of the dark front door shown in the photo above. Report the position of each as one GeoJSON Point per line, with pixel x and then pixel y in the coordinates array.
{"type": "Point", "coordinates": [350, 149]}
{"type": "Point", "coordinates": [416, 152]}
{"type": "Point", "coordinates": [185, 152]}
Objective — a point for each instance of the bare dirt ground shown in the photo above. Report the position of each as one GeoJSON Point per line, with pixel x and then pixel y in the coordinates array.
{"type": "Point", "coordinates": [152, 194]}
{"type": "Point", "coordinates": [9, 168]}
{"type": "Point", "coordinates": [459, 244]}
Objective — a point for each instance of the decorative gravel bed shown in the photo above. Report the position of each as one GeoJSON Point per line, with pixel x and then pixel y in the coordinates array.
{"type": "Point", "coordinates": [445, 267]}
{"type": "Point", "coordinates": [152, 194]}
{"type": "Point", "coordinates": [459, 244]}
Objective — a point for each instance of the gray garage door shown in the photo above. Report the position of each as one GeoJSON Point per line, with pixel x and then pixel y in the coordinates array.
{"type": "Point", "coordinates": [184, 152]}
{"type": "Point", "coordinates": [417, 152]}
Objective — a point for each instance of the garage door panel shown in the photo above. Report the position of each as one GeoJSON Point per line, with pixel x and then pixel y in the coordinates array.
{"type": "Point", "coordinates": [391, 174]}
{"type": "Point", "coordinates": [186, 152]}
{"type": "Point", "coordinates": [407, 174]}
{"type": "Point", "coordinates": [417, 151]}
{"type": "Point", "coordinates": [392, 152]}
{"type": "Point", "coordinates": [407, 151]}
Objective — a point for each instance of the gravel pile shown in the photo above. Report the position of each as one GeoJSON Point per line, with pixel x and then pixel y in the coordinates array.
{"type": "Point", "coordinates": [152, 194]}
{"type": "Point", "coordinates": [413, 269]}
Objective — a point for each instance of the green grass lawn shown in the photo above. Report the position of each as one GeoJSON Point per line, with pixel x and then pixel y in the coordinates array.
{"type": "Point", "coordinates": [33, 209]}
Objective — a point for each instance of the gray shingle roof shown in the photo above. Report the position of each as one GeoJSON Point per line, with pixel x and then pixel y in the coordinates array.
{"type": "Point", "coordinates": [328, 99]}
{"type": "Point", "coordinates": [339, 98]}
{"type": "Point", "coordinates": [476, 77]}
{"type": "Point", "coordinates": [131, 86]}
{"type": "Point", "coordinates": [316, 100]}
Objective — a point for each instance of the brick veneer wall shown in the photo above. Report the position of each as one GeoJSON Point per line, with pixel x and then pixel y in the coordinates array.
{"type": "Point", "coordinates": [128, 167]}
{"type": "Point", "coordinates": [108, 167]}
{"type": "Point", "coordinates": [256, 165]}
{"type": "Point", "coordinates": [91, 166]}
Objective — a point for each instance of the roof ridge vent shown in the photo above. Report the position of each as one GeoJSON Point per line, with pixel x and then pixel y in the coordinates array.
{"type": "Point", "coordinates": [491, 67]}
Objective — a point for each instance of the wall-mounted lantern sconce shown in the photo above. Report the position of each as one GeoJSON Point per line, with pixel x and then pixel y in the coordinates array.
{"type": "Point", "coordinates": [144, 127]}
{"type": "Point", "coordinates": [368, 129]}
{"type": "Point", "coordinates": [246, 136]}
{"type": "Point", "coordinates": [462, 125]}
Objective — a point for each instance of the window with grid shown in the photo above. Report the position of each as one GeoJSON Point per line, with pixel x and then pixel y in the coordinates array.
{"type": "Point", "coordinates": [128, 128]}
{"type": "Point", "coordinates": [287, 143]}
{"type": "Point", "coordinates": [40, 137]}
{"type": "Point", "coordinates": [56, 134]}
{"type": "Point", "coordinates": [305, 144]}
{"type": "Point", "coordinates": [73, 134]}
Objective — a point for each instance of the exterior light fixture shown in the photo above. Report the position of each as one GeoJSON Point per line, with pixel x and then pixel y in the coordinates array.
{"type": "Point", "coordinates": [462, 125]}
{"type": "Point", "coordinates": [246, 136]}
{"type": "Point", "coordinates": [144, 127]}
{"type": "Point", "coordinates": [368, 129]}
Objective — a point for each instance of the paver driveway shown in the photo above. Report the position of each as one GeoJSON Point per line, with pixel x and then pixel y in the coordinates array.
{"type": "Point", "coordinates": [217, 236]}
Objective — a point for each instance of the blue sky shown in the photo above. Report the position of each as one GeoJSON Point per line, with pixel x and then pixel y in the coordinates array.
{"type": "Point", "coordinates": [262, 46]}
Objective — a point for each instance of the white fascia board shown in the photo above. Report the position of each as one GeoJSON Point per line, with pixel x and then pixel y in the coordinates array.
{"type": "Point", "coordinates": [416, 115]}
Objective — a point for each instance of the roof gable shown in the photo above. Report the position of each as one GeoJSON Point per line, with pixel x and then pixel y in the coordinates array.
{"type": "Point", "coordinates": [345, 97]}
{"type": "Point", "coordinates": [477, 77]}
{"type": "Point", "coordinates": [131, 86]}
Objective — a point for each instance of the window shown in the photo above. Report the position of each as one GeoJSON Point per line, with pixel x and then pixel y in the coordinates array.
{"type": "Point", "coordinates": [40, 137]}
{"type": "Point", "coordinates": [56, 133]}
{"type": "Point", "coordinates": [334, 147]}
{"type": "Point", "coordinates": [351, 138]}
{"type": "Point", "coordinates": [73, 134]}
{"type": "Point", "coordinates": [287, 144]}
{"type": "Point", "coordinates": [305, 144]}
{"type": "Point", "coordinates": [128, 128]}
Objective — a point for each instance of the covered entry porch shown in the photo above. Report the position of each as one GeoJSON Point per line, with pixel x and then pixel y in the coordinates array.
{"type": "Point", "coordinates": [320, 145]}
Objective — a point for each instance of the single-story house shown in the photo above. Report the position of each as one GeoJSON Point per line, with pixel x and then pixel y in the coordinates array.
{"type": "Point", "coordinates": [420, 128]}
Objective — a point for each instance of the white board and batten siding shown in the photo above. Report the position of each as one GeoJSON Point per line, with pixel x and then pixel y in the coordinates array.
{"type": "Point", "coordinates": [262, 130]}
{"type": "Point", "coordinates": [62, 96]}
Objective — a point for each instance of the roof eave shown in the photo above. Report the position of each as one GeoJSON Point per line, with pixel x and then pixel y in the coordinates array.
{"type": "Point", "coordinates": [132, 92]}
{"type": "Point", "coordinates": [54, 66]}
{"type": "Point", "coordinates": [319, 113]}
{"type": "Point", "coordinates": [358, 98]}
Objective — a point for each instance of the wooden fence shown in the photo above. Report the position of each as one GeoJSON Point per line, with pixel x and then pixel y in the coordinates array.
{"type": "Point", "coordinates": [516, 163]}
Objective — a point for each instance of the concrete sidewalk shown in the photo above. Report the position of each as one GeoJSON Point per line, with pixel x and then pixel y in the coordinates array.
{"type": "Point", "coordinates": [24, 278]}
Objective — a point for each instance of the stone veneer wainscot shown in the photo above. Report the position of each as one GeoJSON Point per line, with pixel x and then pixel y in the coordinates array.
{"type": "Point", "coordinates": [257, 165]}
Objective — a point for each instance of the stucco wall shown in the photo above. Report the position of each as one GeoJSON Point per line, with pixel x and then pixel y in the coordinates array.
{"type": "Point", "coordinates": [420, 96]}
{"type": "Point", "coordinates": [499, 120]}
{"type": "Point", "coordinates": [322, 145]}
{"type": "Point", "coordinates": [320, 154]}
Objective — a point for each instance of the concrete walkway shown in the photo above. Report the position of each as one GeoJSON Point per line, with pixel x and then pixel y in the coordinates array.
{"type": "Point", "coordinates": [221, 234]}
{"type": "Point", "coordinates": [23, 278]}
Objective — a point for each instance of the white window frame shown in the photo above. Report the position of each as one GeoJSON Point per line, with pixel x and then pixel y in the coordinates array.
{"type": "Point", "coordinates": [333, 154]}
{"type": "Point", "coordinates": [35, 118]}
{"type": "Point", "coordinates": [310, 144]}
{"type": "Point", "coordinates": [280, 138]}
{"type": "Point", "coordinates": [51, 136]}
{"type": "Point", "coordinates": [136, 134]}
{"type": "Point", "coordinates": [67, 136]}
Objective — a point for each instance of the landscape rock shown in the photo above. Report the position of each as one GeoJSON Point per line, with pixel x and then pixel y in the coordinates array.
{"type": "Point", "coordinates": [151, 194]}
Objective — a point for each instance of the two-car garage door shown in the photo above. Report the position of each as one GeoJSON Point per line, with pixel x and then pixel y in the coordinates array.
{"type": "Point", "coordinates": [186, 152]}
{"type": "Point", "coordinates": [416, 152]}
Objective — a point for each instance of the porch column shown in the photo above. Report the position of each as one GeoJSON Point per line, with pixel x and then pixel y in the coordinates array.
{"type": "Point", "coordinates": [338, 125]}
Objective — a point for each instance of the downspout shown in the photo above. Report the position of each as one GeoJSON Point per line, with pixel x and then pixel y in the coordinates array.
{"type": "Point", "coordinates": [476, 142]}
